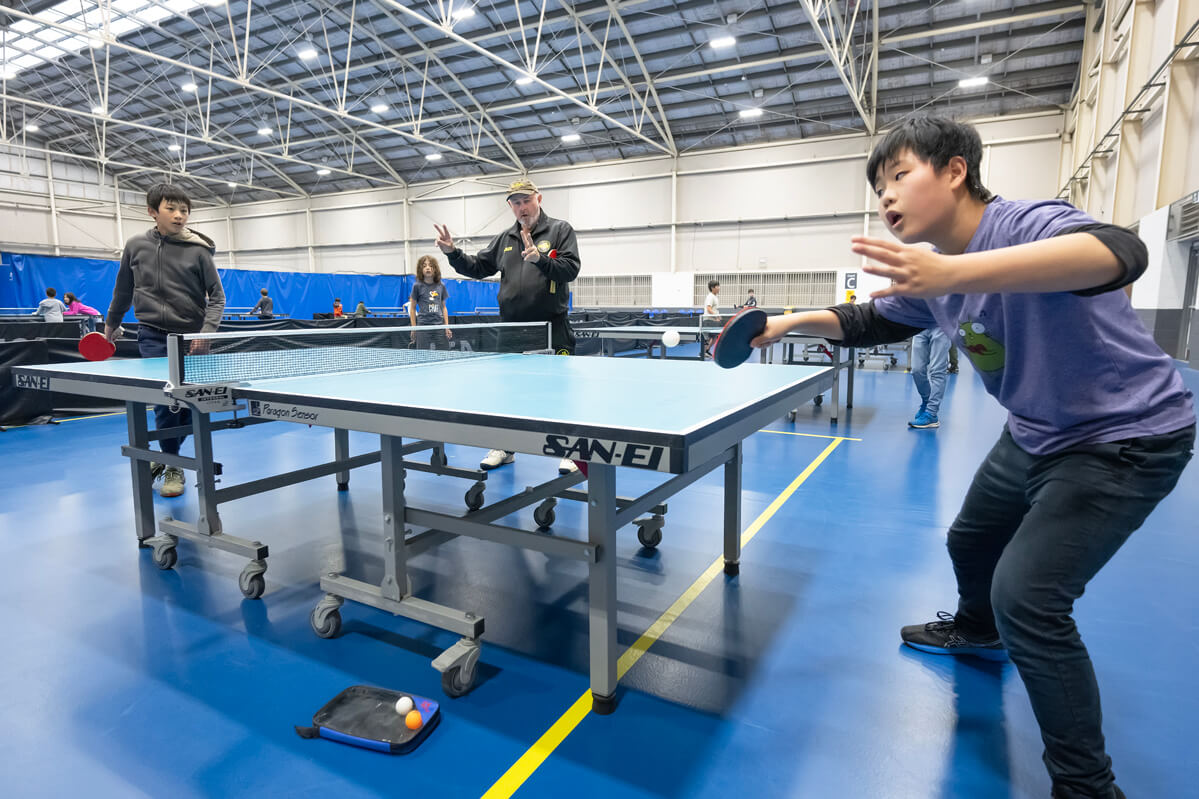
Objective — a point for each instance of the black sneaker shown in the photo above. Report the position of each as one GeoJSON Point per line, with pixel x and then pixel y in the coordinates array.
{"type": "Point", "coordinates": [941, 637]}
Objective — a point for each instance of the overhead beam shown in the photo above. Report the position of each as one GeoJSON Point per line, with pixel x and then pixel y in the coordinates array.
{"type": "Point", "coordinates": [319, 108]}
{"type": "Point", "coordinates": [449, 33]}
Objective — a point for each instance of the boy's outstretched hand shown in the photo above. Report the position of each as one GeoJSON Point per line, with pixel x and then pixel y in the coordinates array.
{"type": "Point", "coordinates": [917, 271]}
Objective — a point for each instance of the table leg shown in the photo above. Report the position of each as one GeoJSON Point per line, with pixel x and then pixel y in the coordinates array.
{"type": "Point", "coordinates": [732, 511]}
{"type": "Point", "coordinates": [143, 483]}
{"type": "Point", "coordinates": [601, 533]}
{"type": "Point", "coordinates": [341, 451]}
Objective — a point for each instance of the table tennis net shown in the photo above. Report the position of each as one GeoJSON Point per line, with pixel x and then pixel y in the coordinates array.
{"type": "Point", "coordinates": [240, 358]}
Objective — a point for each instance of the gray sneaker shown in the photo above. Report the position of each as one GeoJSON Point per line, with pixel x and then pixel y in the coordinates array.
{"type": "Point", "coordinates": [172, 482]}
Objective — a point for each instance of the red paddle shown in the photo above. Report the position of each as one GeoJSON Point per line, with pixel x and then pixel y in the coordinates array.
{"type": "Point", "coordinates": [96, 347]}
{"type": "Point", "coordinates": [732, 346]}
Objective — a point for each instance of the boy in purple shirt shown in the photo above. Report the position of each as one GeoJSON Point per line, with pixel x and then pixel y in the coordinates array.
{"type": "Point", "coordinates": [1099, 426]}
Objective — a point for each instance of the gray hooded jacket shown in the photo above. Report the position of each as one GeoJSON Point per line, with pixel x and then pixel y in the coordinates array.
{"type": "Point", "coordinates": [171, 281]}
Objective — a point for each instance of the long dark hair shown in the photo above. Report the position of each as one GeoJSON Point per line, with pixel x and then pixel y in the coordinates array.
{"type": "Point", "coordinates": [427, 260]}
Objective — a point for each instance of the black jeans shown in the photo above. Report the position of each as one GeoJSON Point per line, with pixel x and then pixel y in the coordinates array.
{"type": "Point", "coordinates": [562, 337]}
{"type": "Point", "coordinates": [1031, 533]}
{"type": "Point", "coordinates": [431, 340]}
{"type": "Point", "coordinates": [152, 343]}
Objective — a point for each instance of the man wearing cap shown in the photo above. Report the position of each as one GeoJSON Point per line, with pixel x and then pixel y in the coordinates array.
{"type": "Point", "coordinates": [537, 258]}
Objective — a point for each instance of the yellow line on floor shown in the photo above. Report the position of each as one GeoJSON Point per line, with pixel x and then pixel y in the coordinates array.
{"type": "Point", "coordinates": [530, 761]}
{"type": "Point", "coordinates": [93, 416]}
{"type": "Point", "coordinates": [807, 435]}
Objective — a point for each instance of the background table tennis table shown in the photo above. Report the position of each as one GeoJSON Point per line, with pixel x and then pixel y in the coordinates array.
{"type": "Point", "coordinates": [592, 410]}
{"type": "Point", "coordinates": [840, 358]}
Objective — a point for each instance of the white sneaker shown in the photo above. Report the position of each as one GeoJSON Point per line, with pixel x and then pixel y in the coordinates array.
{"type": "Point", "coordinates": [567, 466]}
{"type": "Point", "coordinates": [497, 457]}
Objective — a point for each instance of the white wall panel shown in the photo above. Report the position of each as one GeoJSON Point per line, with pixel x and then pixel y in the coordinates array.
{"type": "Point", "coordinates": [612, 204]}
{"type": "Point", "coordinates": [270, 232]}
{"type": "Point", "coordinates": [372, 223]}
{"type": "Point", "coordinates": [1024, 171]}
{"type": "Point", "coordinates": [387, 260]}
{"type": "Point", "coordinates": [25, 226]}
{"type": "Point", "coordinates": [810, 246]}
{"type": "Point", "coordinates": [1147, 165]}
{"type": "Point", "coordinates": [80, 231]}
{"type": "Point", "coordinates": [629, 253]}
{"type": "Point", "coordinates": [772, 193]}
{"type": "Point", "coordinates": [283, 261]}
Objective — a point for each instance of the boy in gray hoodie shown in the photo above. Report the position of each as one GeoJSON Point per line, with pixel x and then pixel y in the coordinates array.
{"type": "Point", "coordinates": [168, 275]}
{"type": "Point", "coordinates": [51, 309]}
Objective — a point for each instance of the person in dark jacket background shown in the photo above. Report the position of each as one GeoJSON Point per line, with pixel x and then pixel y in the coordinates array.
{"type": "Point", "coordinates": [168, 275]}
{"type": "Point", "coordinates": [537, 258]}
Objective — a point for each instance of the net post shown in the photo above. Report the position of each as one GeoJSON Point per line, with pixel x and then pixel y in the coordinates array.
{"type": "Point", "coordinates": [549, 336]}
{"type": "Point", "coordinates": [175, 359]}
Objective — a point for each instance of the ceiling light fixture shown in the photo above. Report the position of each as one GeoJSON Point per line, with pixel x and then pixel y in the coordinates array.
{"type": "Point", "coordinates": [571, 138]}
{"type": "Point", "coordinates": [307, 52]}
{"type": "Point", "coordinates": [433, 157]}
{"type": "Point", "coordinates": [973, 83]}
{"type": "Point", "coordinates": [174, 148]}
{"type": "Point", "coordinates": [188, 87]}
{"type": "Point", "coordinates": [750, 113]}
{"type": "Point", "coordinates": [378, 108]}
{"type": "Point", "coordinates": [264, 131]}
{"type": "Point", "coordinates": [322, 172]}
{"type": "Point", "coordinates": [721, 42]}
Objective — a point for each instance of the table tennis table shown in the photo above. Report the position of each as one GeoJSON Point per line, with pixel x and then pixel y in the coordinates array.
{"type": "Point", "coordinates": [840, 358]}
{"type": "Point", "coordinates": [592, 410]}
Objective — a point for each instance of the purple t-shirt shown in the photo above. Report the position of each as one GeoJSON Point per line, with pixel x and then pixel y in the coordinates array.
{"type": "Point", "coordinates": [1070, 370]}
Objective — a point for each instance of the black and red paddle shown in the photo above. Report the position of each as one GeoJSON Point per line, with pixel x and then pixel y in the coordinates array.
{"type": "Point", "coordinates": [732, 346]}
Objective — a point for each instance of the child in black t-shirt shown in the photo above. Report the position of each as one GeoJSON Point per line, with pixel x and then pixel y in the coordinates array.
{"type": "Point", "coordinates": [426, 306]}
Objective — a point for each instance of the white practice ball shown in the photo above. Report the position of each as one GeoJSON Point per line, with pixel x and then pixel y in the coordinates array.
{"type": "Point", "coordinates": [404, 705]}
{"type": "Point", "coordinates": [671, 338]}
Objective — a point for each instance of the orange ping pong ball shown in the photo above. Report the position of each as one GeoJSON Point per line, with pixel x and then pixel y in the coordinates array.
{"type": "Point", "coordinates": [413, 720]}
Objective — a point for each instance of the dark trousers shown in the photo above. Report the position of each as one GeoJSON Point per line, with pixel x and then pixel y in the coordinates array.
{"type": "Point", "coordinates": [152, 343]}
{"type": "Point", "coordinates": [562, 338]}
{"type": "Point", "coordinates": [1031, 533]}
{"type": "Point", "coordinates": [431, 340]}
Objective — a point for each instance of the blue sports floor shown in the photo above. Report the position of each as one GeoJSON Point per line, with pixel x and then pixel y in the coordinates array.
{"type": "Point", "coordinates": [120, 680]}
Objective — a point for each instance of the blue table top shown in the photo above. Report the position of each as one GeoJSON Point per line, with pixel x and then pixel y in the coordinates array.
{"type": "Point", "coordinates": [667, 396]}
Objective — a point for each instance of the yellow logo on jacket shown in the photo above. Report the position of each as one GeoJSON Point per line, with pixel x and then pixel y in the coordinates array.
{"type": "Point", "coordinates": [544, 246]}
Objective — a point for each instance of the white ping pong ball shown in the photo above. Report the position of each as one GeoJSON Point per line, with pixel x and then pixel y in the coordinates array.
{"type": "Point", "coordinates": [671, 338]}
{"type": "Point", "coordinates": [404, 705]}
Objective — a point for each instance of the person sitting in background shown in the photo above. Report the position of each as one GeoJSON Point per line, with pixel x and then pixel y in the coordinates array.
{"type": "Point", "coordinates": [360, 310]}
{"type": "Point", "coordinates": [751, 301]}
{"type": "Point", "coordinates": [337, 313]}
{"type": "Point", "coordinates": [50, 309]}
{"type": "Point", "coordinates": [264, 307]}
{"type": "Point", "coordinates": [76, 308]}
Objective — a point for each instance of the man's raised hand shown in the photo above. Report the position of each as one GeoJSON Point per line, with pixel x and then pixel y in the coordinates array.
{"type": "Point", "coordinates": [444, 242]}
